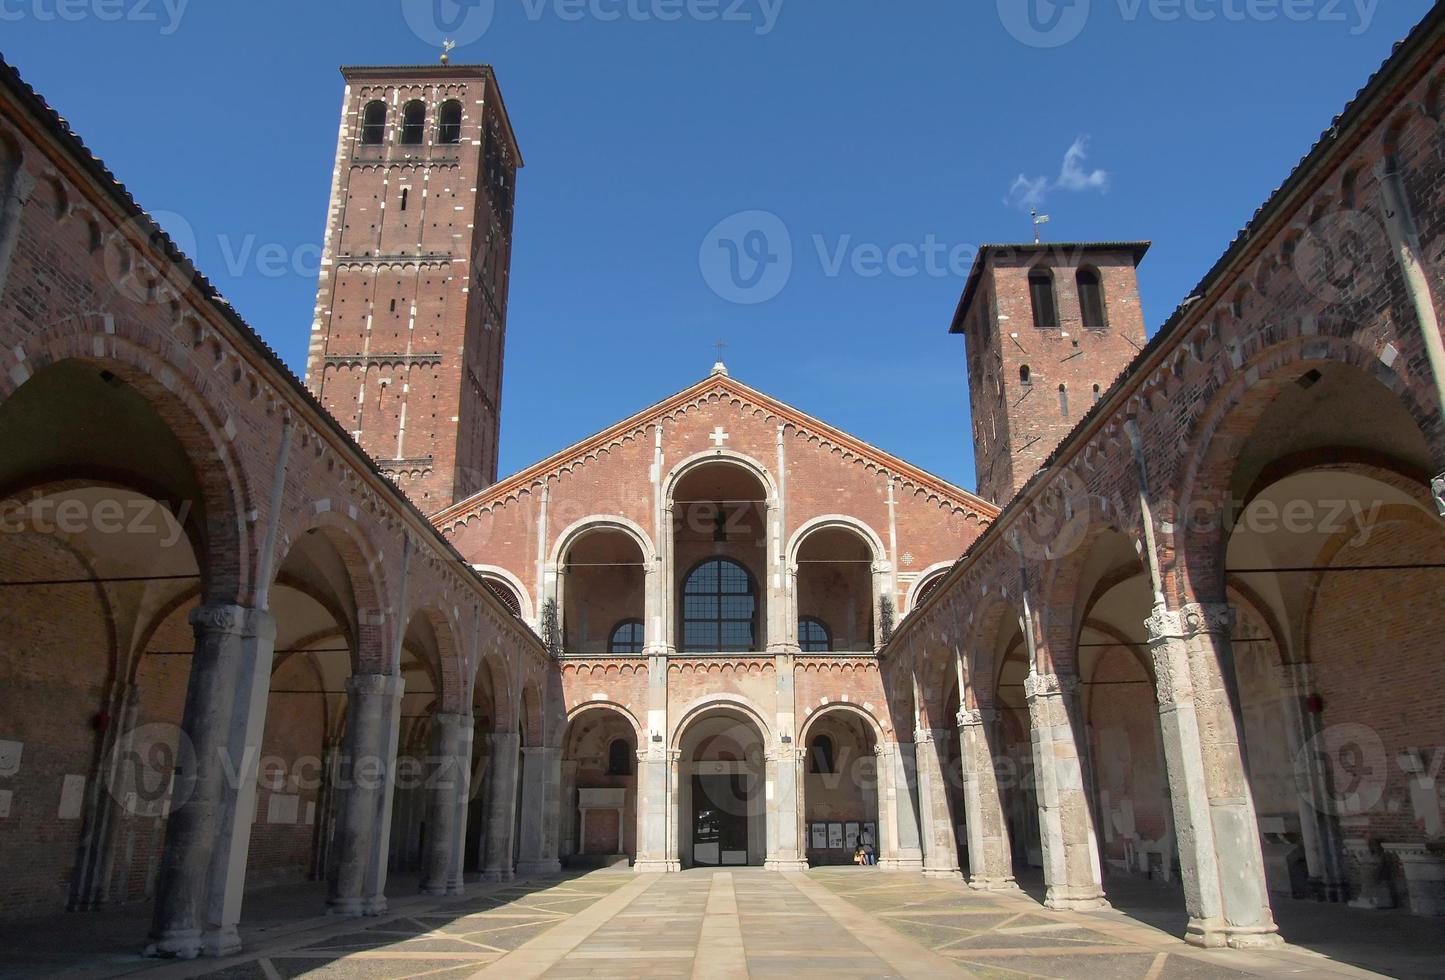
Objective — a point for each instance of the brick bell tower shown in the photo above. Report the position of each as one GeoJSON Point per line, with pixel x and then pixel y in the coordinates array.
{"type": "Point", "coordinates": [411, 309]}
{"type": "Point", "coordinates": [1048, 328]}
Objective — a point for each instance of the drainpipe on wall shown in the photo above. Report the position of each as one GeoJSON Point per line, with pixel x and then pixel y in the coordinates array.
{"type": "Point", "coordinates": [1405, 238]}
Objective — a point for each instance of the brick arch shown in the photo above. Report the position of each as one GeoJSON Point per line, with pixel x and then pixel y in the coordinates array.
{"type": "Point", "coordinates": [982, 666]}
{"type": "Point", "coordinates": [712, 456]}
{"type": "Point", "coordinates": [601, 522]}
{"type": "Point", "coordinates": [1192, 563]}
{"type": "Point", "coordinates": [835, 521]}
{"type": "Point", "coordinates": [530, 706]}
{"type": "Point", "coordinates": [499, 679]}
{"type": "Point", "coordinates": [840, 707]}
{"type": "Point", "coordinates": [608, 707]}
{"type": "Point", "coordinates": [450, 693]}
{"type": "Point", "coordinates": [1063, 602]}
{"type": "Point", "coordinates": [367, 578]}
{"type": "Point", "coordinates": [129, 351]}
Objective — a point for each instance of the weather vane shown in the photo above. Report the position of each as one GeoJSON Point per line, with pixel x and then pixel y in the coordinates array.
{"type": "Point", "coordinates": [1039, 221]}
{"type": "Point", "coordinates": [447, 46]}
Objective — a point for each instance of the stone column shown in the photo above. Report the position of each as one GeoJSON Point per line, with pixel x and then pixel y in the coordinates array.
{"type": "Point", "coordinates": [541, 780]}
{"type": "Point", "coordinates": [652, 816]}
{"type": "Point", "coordinates": [1219, 851]}
{"type": "Point", "coordinates": [1066, 825]}
{"type": "Point", "coordinates": [569, 828]}
{"type": "Point", "coordinates": [785, 813]}
{"type": "Point", "coordinates": [208, 833]}
{"type": "Point", "coordinates": [1323, 842]}
{"type": "Point", "coordinates": [940, 842]}
{"type": "Point", "coordinates": [899, 846]}
{"type": "Point", "coordinates": [368, 770]}
{"type": "Point", "coordinates": [500, 806]}
{"type": "Point", "coordinates": [449, 765]}
{"type": "Point", "coordinates": [990, 858]}
{"type": "Point", "coordinates": [461, 804]}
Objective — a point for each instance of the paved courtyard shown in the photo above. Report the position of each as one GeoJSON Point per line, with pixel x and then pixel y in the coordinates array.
{"type": "Point", "coordinates": [835, 923]}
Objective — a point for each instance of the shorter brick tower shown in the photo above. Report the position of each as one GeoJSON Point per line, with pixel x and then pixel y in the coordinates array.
{"type": "Point", "coordinates": [411, 311]}
{"type": "Point", "coordinates": [1048, 329]}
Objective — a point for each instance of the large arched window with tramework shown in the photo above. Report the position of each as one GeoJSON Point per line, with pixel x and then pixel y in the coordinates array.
{"type": "Point", "coordinates": [449, 122]}
{"type": "Point", "coordinates": [814, 635]}
{"type": "Point", "coordinates": [413, 123]}
{"type": "Point", "coordinates": [719, 608]}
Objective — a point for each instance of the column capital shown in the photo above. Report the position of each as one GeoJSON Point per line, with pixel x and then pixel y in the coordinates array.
{"type": "Point", "coordinates": [926, 735]}
{"type": "Point", "coordinates": [221, 619]}
{"type": "Point", "coordinates": [786, 753]}
{"type": "Point", "coordinates": [976, 717]}
{"type": "Point", "coordinates": [1049, 685]}
{"type": "Point", "coordinates": [1194, 619]}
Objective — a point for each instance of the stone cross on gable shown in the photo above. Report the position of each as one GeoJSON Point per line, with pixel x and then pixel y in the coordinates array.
{"type": "Point", "coordinates": [719, 436]}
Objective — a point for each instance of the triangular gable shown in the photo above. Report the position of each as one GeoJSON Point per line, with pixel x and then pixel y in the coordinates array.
{"type": "Point", "coordinates": [718, 384]}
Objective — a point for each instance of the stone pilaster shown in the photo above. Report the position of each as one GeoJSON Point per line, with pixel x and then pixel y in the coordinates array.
{"type": "Point", "coordinates": [989, 856]}
{"type": "Point", "coordinates": [461, 803]}
{"type": "Point", "coordinates": [541, 787]}
{"type": "Point", "coordinates": [940, 843]}
{"type": "Point", "coordinates": [208, 833]}
{"type": "Point", "coordinates": [1323, 842]}
{"type": "Point", "coordinates": [653, 776]}
{"type": "Point", "coordinates": [567, 814]}
{"type": "Point", "coordinates": [1219, 851]}
{"type": "Point", "coordinates": [785, 810]}
{"type": "Point", "coordinates": [1066, 825]}
{"type": "Point", "coordinates": [899, 848]}
{"type": "Point", "coordinates": [368, 770]}
{"type": "Point", "coordinates": [501, 806]}
{"type": "Point", "coordinates": [450, 767]}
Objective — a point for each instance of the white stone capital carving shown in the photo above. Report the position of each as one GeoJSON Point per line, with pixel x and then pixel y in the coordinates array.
{"type": "Point", "coordinates": [1042, 686]}
{"type": "Point", "coordinates": [1195, 619]}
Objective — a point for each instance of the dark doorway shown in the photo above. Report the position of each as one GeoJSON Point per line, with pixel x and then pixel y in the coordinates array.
{"type": "Point", "coordinates": [720, 821]}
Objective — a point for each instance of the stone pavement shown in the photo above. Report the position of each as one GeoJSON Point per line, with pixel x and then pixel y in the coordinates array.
{"type": "Point", "coordinates": [832, 922]}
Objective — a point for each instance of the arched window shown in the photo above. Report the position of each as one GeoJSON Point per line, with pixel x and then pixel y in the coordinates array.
{"type": "Point", "coordinates": [1041, 292]}
{"type": "Point", "coordinates": [719, 608]}
{"type": "Point", "coordinates": [927, 589]}
{"type": "Point", "coordinates": [1097, 394]}
{"type": "Point", "coordinates": [814, 635]}
{"type": "Point", "coordinates": [1025, 376]}
{"type": "Point", "coordinates": [1091, 299]}
{"type": "Point", "coordinates": [373, 124]}
{"type": "Point", "coordinates": [820, 755]}
{"type": "Point", "coordinates": [626, 637]}
{"type": "Point", "coordinates": [619, 758]}
{"type": "Point", "coordinates": [449, 122]}
{"type": "Point", "coordinates": [413, 123]}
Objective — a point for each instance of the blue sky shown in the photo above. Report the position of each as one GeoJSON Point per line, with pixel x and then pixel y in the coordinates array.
{"type": "Point", "coordinates": [859, 127]}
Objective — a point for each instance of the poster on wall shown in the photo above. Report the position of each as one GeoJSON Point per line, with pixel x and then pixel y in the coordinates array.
{"type": "Point", "coordinates": [870, 834]}
{"type": "Point", "coordinates": [835, 836]}
{"type": "Point", "coordinates": [851, 834]}
{"type": "Point", "coordinates": [818, 833]}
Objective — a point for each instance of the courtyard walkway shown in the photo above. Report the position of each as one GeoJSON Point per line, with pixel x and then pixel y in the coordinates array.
{"type": "Point", "coordinates": [836, 923]}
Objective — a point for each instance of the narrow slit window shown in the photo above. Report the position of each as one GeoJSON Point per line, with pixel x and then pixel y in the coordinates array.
{"type": "Point", "coordinates": [1091, 299]}
{"type": "Point", "coordinates": [1064, 400]}
{"type": "Point", "coordinates": [1025, 377]}
{"type": "Point", "coordinates": [405, 194]}
{"type": "Point", "coordinates": [1041, 292]}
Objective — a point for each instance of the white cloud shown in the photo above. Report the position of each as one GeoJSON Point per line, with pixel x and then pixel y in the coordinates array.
{"type": "Point", "coordinates": [1074, 175]}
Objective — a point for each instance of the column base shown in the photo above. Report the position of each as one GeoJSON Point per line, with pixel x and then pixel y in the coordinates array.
{"type": "Point", "coordinates": [1213, 934]}
{"type": "Point", "coordinates": [441, 889]}
{"type": "Point", "coordinates": [650, 866]}
{"type": "Point", "coordinates": [785, 864]}
{"type": "Point", "coordinates": [497, 874]}
{"type": "Point", "coordinates": [374, 906]}
{"type": "Point", "coordinates": [351, 908]}
{"type": "Point", "coordinates": [1424, 868]}
{"type": "Point", "coordinates": [914, 865]}
{"type": "Point", "coordinates": [948, 873]}
{"type": "Point", "coordinates": [1062, 898]}
{"type": "Point", "coordinates": [980, 884]}
{"type": "Point", "coordinates": [175, 944]}
{"type": "Point", "coordinates": [550, 867]}
{"type": "Point", "coordinates": [222, 942]}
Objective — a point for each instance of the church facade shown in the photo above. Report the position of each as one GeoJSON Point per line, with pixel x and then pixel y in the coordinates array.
{"type": "Point", "coordinates": [286, 631]}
